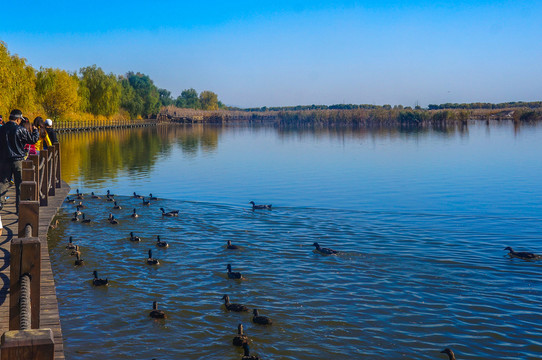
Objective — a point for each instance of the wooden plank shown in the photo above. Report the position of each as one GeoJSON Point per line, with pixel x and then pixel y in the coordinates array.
{"type": "Point", "coordinates": [25, 259]}
{"type": "Point", "coordinates": [28, 344]}
{"type": "Point", "coordinates": [49, 314]}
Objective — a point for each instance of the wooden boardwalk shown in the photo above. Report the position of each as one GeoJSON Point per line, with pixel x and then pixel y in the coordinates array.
{"type": "Point", "coordinates": [49, 315]}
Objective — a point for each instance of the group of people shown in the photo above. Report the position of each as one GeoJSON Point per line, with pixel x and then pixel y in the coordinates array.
{"type": "Point", "coordinates": [19, 138]}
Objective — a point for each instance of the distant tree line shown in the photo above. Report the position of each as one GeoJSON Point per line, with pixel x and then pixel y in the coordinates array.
{"type": "Point", "coordinates": [91, 92]}
{"type": "Point", "coordinates": [490, 106]}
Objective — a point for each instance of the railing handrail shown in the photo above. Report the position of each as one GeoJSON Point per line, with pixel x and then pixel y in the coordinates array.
{"type": "Point", "coordinates": [25, 339]}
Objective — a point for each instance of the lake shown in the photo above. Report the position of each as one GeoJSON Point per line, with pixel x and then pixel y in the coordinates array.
{"type": "Point", "coordinates": [420, 217]}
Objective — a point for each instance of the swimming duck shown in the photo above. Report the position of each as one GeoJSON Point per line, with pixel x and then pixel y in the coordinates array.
{"type": "Point", "coordinates": [109, 198]}
{"type": "Point", "coordinates": [137, 196]}
{"type": "Point", "coordinates": [70, 245]}
{"type": "Point", "coordinates": [81, 206]}
{"type": "Point", "coordinates": [260, 207]}
{"type": "Point", "coordinates": [85, 221]}
{"type": "Point", "coordinates": [170, 213]}
{"type": "Point", "coordinates": [325, 251]}
{"type": "Point", "coordinates": [155, 313]}
{"type": "Point", "coordinates": [75, 251]}
{"type": "Point", "coordinates": [75, 218]}
{"type": "Point", "coordinates": [94, 196]}
{"type": "Point", "coordinates": [112, 219]}
{"type": "Point", "coordinates": [259, 319]}
{"type": "Point", "coordinates": [231, 247]}
{"type": "Point", "coordinates": [450, 353]}
{"type": "Point", "coordinates": [160, 243]}
{"type": "Point", "coordinates": [151, 261]}
{"type": "Point", "coordinates": [54, 226]}
{"type": "Point", "coordinates": [247, 355]}
{"type": "Point", "coordinates": [78, 210]}
{"type": "Point", "coordinates": [153, 198]}
{"type": "Point", "coordinates": [233, 307]}
{"type": "Point", "coordinates": [117, 206]}
{"type": "Point", "coordinates": [79, 195]}
{"type": "Point", "coordinates": [134, 238]}
{"type": "Point", "coordinates": [70, 201]}
{"type": "Point", "coordinates": [109, 193]}
{"type": "Point", "coordinates": [134, 214]}
{"type": "Point", "coordinates": [98, 282]}
{"type": "Point", "coordinates": [522, 254]}
{"type": "Point", "coordinates": [240, 338]}
{"type": "Point", "coordinates": [233, 275]}
{"type": "Point", "coordinates": [78, 260]}
{"type": "Point", "coordinates": [146, 202]}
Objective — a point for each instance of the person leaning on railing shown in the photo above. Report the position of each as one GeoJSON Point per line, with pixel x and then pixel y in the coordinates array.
{"type": "Point", "coordinates": [50, 131]}
{"type": "Point", "coordinates": [13, 138]}
{"type": "Point", "coordinates": [43, 142]}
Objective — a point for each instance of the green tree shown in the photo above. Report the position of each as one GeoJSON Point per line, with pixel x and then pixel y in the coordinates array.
{"type": "Point", "coordinates": [146, 91]}
{"type": "Point", "coordinates": [104, 91]}
{"type": "Point", "coordinates": [208, 100]}
{"type": "Point", "coordinates": [129, 100]}
{"type": "Point", "coordinates": [165, 97]}
{"type": "Point", "coordinates": [56, 92]}
{"type": "Point", "coordinates": [188, 99]}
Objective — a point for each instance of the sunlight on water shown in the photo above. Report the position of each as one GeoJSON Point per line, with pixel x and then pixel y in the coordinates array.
{"type": "Point", "coordinates": [420, 220]}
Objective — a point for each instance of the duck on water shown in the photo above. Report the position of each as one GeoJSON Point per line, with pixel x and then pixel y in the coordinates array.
{"type": "Point", "coordinates": [99, 282]}
{"type": "Point", "coordinates": [240, 338]}
{"type": "Point", "coordinates": [449, 352]}
{"type": "Point", "coordinates": [260, 207]}
{"type": "Point", "coordinates": [523, 255]}
{"type": "Point", "coordinates": [155, 313]}
{"type": "Point", "coordinates": [325, 251]}
{"type": "Point", "coordinates": [233, 307]}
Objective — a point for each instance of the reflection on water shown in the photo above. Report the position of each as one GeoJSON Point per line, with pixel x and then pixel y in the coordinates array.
{"type": "Point", "coordinates": [420, 217]}
{"type": "Point", "coordinates": [98, 156]}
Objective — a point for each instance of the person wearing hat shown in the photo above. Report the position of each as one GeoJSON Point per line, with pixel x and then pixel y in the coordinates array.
{"type": "Point", "coordinates": [50, 131]}
{"type": "Point", "coordinates": [13, 139]}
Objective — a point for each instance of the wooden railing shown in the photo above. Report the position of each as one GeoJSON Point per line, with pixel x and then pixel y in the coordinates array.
{"type": "Point", "coordinates": [25, 339]}
{"type": "Point", "coordinates": [66, 126]}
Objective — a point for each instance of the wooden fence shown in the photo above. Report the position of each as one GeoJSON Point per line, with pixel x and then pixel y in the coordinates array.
{"type": "Point", "coordinates": [25, 340]}
{"type": "Point", "coordinates": [69, 126]}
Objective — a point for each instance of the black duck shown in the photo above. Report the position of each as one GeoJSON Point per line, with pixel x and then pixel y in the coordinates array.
{"type": "Point", "coordinates": [259, 319]}
{"type": "Point", "coordinates": [233, 307]}
{"type": "Point", "coordinates": [233, 275]}
{"type": "Point", "coordinates": [260, 207]}
{"type": "Point", "coordinates": [325, 251]}
{"type": "Point", "coordinates": [151, 260]}
{"type": "Point", "coordinates": [523, 255]}
{"type": "Point", "coordinates": [99, 282]}
{"type": "Point", "coordinates": [155, 313]}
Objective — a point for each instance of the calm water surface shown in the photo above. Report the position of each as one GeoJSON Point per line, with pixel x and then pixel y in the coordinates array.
{"type": "Point", "coordinates": [420, 217]}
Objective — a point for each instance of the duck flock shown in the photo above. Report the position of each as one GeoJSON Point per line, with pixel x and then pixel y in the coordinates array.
{"type": "Point", "coordinates": [241, 339]}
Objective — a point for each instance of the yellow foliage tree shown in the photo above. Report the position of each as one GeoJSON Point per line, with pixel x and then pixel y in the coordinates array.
{"type": "Point", "coordinates": [57, 92]}
{"type": "Point", "coordinates": [208, 100]}
{"type": "Point", "coordinates": [17, 83]}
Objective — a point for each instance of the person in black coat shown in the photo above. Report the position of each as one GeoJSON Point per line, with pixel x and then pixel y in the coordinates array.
{"type": "Point", "coordinates": [13, 139]}
{"type": "Point", "coordinates": [50, 131]}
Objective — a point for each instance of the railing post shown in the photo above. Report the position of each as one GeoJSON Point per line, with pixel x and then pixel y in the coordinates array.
{"type": "Point", "coordinates": [52, 172]}
{"type": "Point", "coordinates": [28, 344]}
{"type": "Point", "coordinates": [44, 178]}
{"type": "Point", "coordinates": [58, 183]}
{"type": "Point", "coordinates": [25, 259]}
{"type": "Point", "coordinates": [29, 188]}
{"type": "Point", "coordinates": [29, 214]}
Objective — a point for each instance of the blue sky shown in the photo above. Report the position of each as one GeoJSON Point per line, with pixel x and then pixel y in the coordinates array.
{"type": "Point", "coordinates": [272, 53]}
